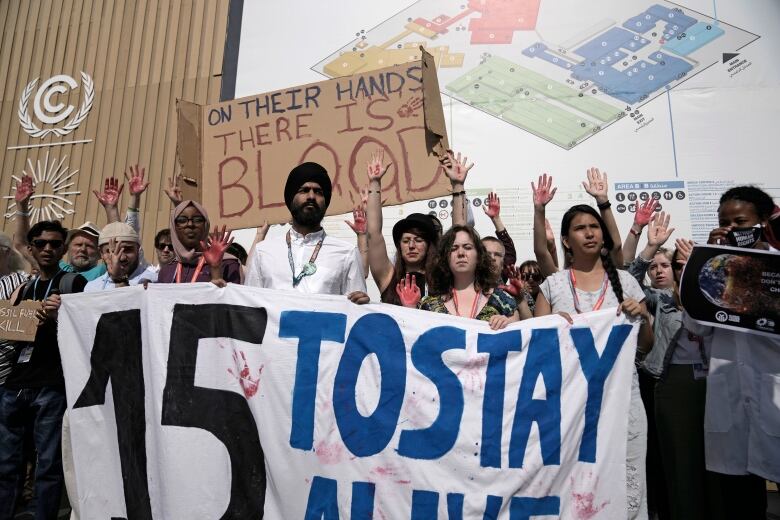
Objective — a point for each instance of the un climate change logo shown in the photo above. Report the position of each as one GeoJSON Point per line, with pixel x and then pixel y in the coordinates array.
{"type": "Point", "coordinates": [48, 113]}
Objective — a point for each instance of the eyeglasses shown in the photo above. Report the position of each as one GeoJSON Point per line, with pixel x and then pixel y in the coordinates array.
{"type": "Point", "coordinates": [182, 221]}
{"type": "Point", "coordinates": [40, 243]}
{"type": "Point", "coordinates": [163, 247]}
{"type": "Point", "coordinates": [536, 277]}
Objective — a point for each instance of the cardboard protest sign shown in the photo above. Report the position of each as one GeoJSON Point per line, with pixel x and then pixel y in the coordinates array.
{"type": "Point", "coordinates": [236, 155]}
{"type": "Point", "coordinates": [733, 288]}
{"type": "Point", "coordinates": [347, 411]}
{"type": "Point", "coordinates": [18, 322]}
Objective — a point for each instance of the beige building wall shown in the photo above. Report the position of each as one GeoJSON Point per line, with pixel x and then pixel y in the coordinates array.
{"type": "Point", "coordinates": [141, 56]}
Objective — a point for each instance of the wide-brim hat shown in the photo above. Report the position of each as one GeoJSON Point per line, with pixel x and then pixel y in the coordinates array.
{"type": "Point", "coordinates": [87, 228]}
{"type": "Point", "coordinates": [422, 223]}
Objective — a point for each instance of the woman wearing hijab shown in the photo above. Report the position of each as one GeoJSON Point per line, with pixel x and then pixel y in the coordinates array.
{"type": "Point", "coordinates": [200, 257]}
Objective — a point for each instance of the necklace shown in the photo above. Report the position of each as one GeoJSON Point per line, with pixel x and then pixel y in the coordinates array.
{"type": "Point", "coordinates": [48, 288]}
{"type": "Point", "coordinates": [195, 275]}
{"type": "Point", "coordinates": [602, 292]}
{"type": "Point", "coordinates": [309, 268]}
{"type": "Point", "coordinates": [474, 305]}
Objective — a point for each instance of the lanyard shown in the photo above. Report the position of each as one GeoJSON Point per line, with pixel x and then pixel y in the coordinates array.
{"type": "Point", "coordinates": [195, 275]}
{"type": "Point", "coordinates": [473, 313]}
{"type": "Point", "coordinates": [48, 288]}
{"type": "Point", "coordinates": [602, 292]}
{"type": "Point", "coordinates": [309, 268]}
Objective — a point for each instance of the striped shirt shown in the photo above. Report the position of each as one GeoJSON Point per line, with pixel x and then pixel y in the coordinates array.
{"type": "Point", "coordinates": [8, 285]}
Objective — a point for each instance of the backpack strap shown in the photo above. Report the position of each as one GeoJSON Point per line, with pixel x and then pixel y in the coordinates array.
{"type": "Point", "coordinates": [66, 282]}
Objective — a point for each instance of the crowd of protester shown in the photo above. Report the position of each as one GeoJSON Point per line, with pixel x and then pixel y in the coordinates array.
{"type": "Point", "coordinates": [699, 444]}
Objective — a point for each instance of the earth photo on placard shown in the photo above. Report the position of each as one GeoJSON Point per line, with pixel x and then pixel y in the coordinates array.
{"type": "Point", "coordinates": [734, 282]}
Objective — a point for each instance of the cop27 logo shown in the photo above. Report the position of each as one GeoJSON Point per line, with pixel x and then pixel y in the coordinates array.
{"type": "Point", "coordinates": [53, 114]}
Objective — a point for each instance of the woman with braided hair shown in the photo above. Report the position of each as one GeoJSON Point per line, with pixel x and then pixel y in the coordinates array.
{"type": "Point", "coordinates": [590, 283]}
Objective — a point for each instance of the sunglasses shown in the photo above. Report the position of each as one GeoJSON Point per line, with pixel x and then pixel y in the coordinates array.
{"type": "Point", "coordinates": [40, 243]}
{"type": "Point", "coordinates": [163, 247]}
{"type": "Point", "coordinates": [536, 277]}
{"type": "Point", "coordinates": [182, 221]}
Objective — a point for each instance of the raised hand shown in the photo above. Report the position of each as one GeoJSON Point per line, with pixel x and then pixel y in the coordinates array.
{"type": "Point", "coordinates": [173, 190]}
{"type": "Point", "coordinates": [645, 212]}
{"type": "Point", "coordinates": [215, 246]}
{"type": "Point", "coordinates": [515, 284]}
{"type": "Point", "coordinates": [112, 189]}
{"type": "Point", "coordinates": [261, 232]}
{"type": "Point", "coordinates": [456, 168]}
{"type": "Point", "coordinates": [113, 260]}
{"type": "Point", "coordinates": [597, 185]}
{"type": "Point", "coordinates": [24, 190]}
{"type": "Point", "coordinates": [684, 250]}
{"type": "Point", "coordinates": [544, 192]}
{"type": "Point", "coordinates": [375, 168]}
{"type": "Point", "coordinates": [548, 234]}
{"type": "Point", "coordinates": [408, 291]}
{"type": "Point", "coordinates": [359, 216]}
{"type": "Point", "coordinates": [135, 180]}
{"type": "Point", "coordinates": [659, 230]}
{"type": "Point", "coordinates": [493, 207]}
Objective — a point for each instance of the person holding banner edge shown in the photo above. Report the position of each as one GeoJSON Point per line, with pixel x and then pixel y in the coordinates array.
{"type": "Point", "coordinates": [590, 283]}
{"type": "Point", "coordinates": [200, 257]}
{"type": "Point", "coordinates": [463, 283]}
{"type": "Point", "coordinates": [307, 259]}
{"type": "Point", "coordinates": [35, 386]}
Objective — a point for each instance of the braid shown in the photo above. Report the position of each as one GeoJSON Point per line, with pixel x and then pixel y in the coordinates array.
{"type": "Point", "coordinates": [612, 274]}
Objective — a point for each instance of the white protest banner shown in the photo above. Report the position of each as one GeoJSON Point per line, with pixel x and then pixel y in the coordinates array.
{"type": "Point", "coordinates": [371, 411]}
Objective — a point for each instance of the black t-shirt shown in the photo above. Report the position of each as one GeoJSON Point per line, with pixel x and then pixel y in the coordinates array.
{"type": "Point", "coordinates": [44, 367]}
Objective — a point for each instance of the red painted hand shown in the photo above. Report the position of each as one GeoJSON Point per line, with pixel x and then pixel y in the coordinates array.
{"type": "Point", "coordinates": [408, 292]}
{"type": "Point", "coordinates": [112, 189]}
{"type": "Point", "coordinates": [215, 245]}
{"type": "Point", "coordinates": [493, 207]}
{"type": "Point", "coordinates": [135, 180]}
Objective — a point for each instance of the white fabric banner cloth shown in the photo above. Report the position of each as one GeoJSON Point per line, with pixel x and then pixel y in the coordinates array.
{"type": "Point", "coordinates": [179, 396]}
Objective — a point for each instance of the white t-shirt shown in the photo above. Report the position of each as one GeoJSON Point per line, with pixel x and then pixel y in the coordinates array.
{"type": "Point", "coordinates": [339, 268]}
{"type": "Point", "coordinates": [557, 289]}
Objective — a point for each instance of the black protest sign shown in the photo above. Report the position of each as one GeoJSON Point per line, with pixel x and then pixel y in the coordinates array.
{"type": "Point", "coordinates": [734, 288]}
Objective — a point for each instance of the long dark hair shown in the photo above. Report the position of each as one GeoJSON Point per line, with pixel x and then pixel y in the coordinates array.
{"type": "Point", "coordinates": [441, 277]}
{"type": "Point", "coordinates": [399, 268]}
{"type": "Point", "coordinates": [606, 259]}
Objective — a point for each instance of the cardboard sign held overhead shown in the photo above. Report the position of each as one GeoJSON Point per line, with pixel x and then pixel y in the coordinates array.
{"type": "Point", "coordinates": [238, 153]}
{"type": "Point", "coordinates": [18, 322]}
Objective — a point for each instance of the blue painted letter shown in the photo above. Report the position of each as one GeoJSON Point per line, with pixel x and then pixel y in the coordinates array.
{"type": "Point", "coordinates": [372, 334]}
{"type": "Point", "coordinates": [323, 501]}
{"type": "Point", "coordinates": [498, 346]}
{"type": "Point", "coordinates": [437, 439]}
{"type": "Point", "coordinates": [596, 370]}
{"type": "Point", "coordinates": [311, 328]}
{"type": "Point", "coordinates": [544, 358]}
{"type": "Point", "coordinates": [523, 508]}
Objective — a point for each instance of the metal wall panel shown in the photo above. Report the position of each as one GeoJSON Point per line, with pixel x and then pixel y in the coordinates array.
{"type": "Point", "coordinates": [141, 56]}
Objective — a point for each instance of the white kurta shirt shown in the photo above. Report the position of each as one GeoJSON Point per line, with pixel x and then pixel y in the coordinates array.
{"type": "Point", "coordinates": [141, 273]}
{"type": "Point", "coordinates": [742, 414]}
{"type": "Point", "coordinates": [339, 268]}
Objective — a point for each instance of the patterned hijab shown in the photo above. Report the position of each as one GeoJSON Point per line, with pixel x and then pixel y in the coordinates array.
{"type": "Point", "coordinates": [184, 255]}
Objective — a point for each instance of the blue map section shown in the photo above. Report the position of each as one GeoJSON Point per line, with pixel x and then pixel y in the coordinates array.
{"type": "Point", "coordinates": [696, 37]}
{"type": "Point", "coordinates": [613, 39]}
{"type": "Point", "coordinates": [613, 62]}
{"type": "Point", "coordinates": [539, 50]}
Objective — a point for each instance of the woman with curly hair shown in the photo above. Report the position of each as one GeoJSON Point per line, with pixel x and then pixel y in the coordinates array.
{"type": "Point", "coordinates": [463, 282]}
{"type": "Point", "coordinates": [590, 283]}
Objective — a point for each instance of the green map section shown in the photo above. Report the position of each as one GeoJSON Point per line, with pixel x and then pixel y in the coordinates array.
{"type": "Point", "coordinates": [532, 101]}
